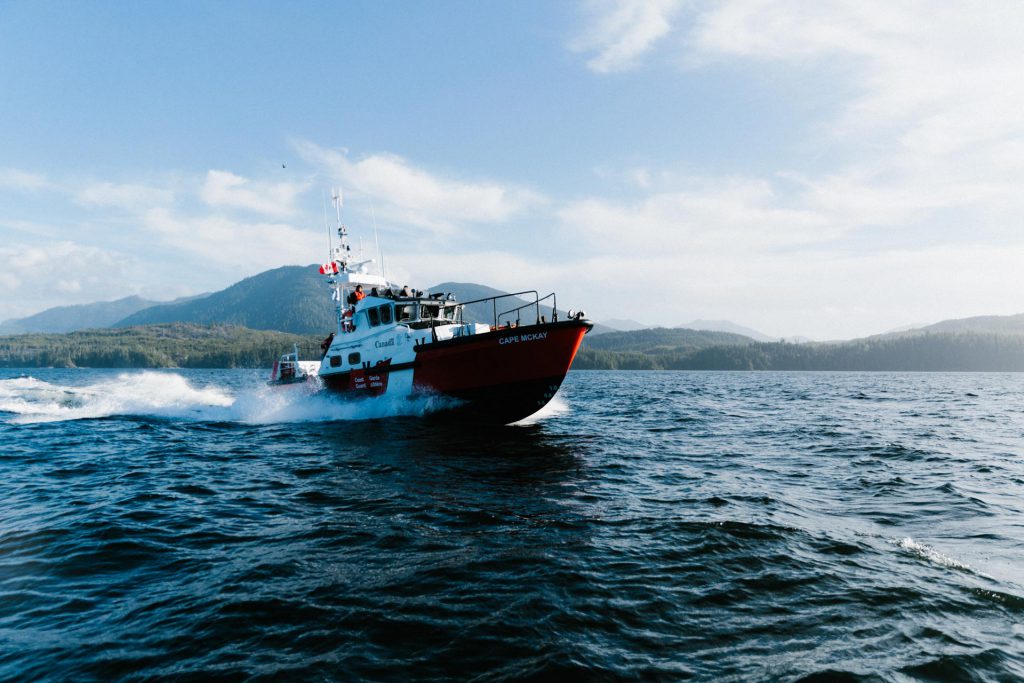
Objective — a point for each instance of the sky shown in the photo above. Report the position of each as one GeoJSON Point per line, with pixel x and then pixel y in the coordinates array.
{"type": "Point", "coordinates": [827, 169]}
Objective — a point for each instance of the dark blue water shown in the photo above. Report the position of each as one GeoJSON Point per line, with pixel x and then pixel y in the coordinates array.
{"type": "Point", "coordinates": [651, 526]}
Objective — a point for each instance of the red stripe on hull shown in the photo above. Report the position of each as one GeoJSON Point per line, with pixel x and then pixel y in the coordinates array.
{"type": "Point", "coordinates": [372, 381]}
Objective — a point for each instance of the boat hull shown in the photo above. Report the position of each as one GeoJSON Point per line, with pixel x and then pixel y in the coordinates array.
{"type": "Point", "coordinates": [500, 377]}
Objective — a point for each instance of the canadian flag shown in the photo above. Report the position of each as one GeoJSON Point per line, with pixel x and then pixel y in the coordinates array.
{"type": "Point", "coordinates": [329, 268]}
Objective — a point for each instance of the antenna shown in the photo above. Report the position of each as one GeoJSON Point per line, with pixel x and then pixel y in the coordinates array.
{"type": "Point", "coordinates": [330, 244]}
{"type": "Point", "coordinates": [339, 201]}
{"type": "Point", "coordinates": [376, 240]}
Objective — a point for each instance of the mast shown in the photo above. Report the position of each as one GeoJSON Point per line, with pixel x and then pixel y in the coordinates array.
{"type": "Point", "coordinates": [339, 255]}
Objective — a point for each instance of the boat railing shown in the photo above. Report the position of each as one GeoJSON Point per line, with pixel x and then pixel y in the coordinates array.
{"type": "Point", "coordinates": [535, 305]}
{"type": "Point", "coordinates": [497, 319]}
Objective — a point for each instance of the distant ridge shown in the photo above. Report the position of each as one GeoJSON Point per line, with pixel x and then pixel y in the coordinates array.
{"type": "Point", "coordinates": [727, 326]}
{"type": "Point", "coordinates": [659, 340]}
{"type": "Point", "coordinates": [624, 325]}
{"type": "Point", "coordinates": [993, 324]}
{"type": "Point", "coordinates": [76, 317]}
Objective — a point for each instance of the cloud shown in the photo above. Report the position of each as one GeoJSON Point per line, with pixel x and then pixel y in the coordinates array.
{"type": "Point", "coordinates": [64, 272]}
{"type": "Point", "coordinates": [929, 101]}
{"type": "Point", "coordinates": [170, 241]}
{"type": "Point", "coordinates": [620, 32]}
{"type": "Point", "coordinates": [125, 196]}
{"type": "Point", "coordinates": [413, 196]}
{"type": "Point", "coordinates": [242, 248]}
{"type": "Point", "coordinates": [20, 180]}
{"type": "Point", "coordinates": [224, 189]}
{"type": "Point", "coordinates": [942, 78]}
{"type": "Point", "coordinates": [729, 214]}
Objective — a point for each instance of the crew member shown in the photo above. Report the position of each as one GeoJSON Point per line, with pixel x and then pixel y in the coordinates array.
{"type": "Point", "coordinates": [326, 344]}
{"type": "Point", "coordinates": [356, 296]}
{"type": "Point", "coordinates": [406, 291]}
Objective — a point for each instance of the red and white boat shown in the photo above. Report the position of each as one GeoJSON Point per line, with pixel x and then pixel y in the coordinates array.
{"type": "Point", "coordinates": [413, 343]}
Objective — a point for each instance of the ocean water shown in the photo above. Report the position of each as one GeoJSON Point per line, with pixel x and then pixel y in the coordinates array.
{"type": "Point", "coordinates": [195, 525]}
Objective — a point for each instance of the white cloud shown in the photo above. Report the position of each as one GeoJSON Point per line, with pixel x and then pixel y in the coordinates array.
{"type": "Point", "coordinates": [738, 215]}
{"type": "Point", "coordinates": [238, 247]}
{"type": "Point", "coordinates": [59, 273]}
{"type": "Point", "coordinates": [942, 78]}
{"type": "Point", "coordinates": [125, 196]}
{"type": "Point", "coordinates": [412, 196]}
{"type": "Point", "coordinates": [224, 189]}
{"type": "Point", "coordinates": [20, 180]}
{"type": "Point", "coordinates": [620, 32]}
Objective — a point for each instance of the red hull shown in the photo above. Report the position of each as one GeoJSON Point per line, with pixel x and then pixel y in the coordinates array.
{"type": "Point", "coordinates": [502, 376]}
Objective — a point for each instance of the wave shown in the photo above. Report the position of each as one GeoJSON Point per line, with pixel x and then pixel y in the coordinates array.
{"type": "Point", "coordinates": [926, 552]}
{"type": "Point", "coordinates": [556, 406]}
{"type": "Point", "coordinates": [172, 396]}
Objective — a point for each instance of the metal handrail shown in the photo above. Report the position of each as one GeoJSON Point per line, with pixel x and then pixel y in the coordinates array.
{"type": "Point", "coordinates": [496, 316]}
{"type": "Point", "coordinates": [494, 302]}
{"type": "Point", "coordinates": [536, 306]}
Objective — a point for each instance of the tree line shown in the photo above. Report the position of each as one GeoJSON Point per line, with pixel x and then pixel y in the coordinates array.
{"type": "Point", "coordinates": [962, 351]}
{"type": "Point", "coordinates": [182, 345]}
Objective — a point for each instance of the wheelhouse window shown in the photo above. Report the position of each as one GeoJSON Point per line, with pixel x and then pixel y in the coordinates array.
{"type": "Point", "coordinates": [385, 314]}
{"type": "Point", "coordinates": [404, 313]}
{"type": "Point", "coordinates": [373, 315]}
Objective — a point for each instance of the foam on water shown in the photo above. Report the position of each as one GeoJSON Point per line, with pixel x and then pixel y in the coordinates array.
{"type": "Point", "coordinates": [267, 405]}
{"type": "Point", "coordinates": [556, 406]}
{"type": "Point", "coordinates": [145, 393]}
{"type": "Point", "coordinates": [926, 552]}
{"type": "Point", "coordinates": [170, 395]}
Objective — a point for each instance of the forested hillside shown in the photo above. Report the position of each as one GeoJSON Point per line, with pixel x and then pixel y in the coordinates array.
{"type": "Point", "coordinates": [153, 346]}
{"type": "Point", "coordinates": [288, 299]}
{"type": "Point", "coordinates": [966, 351]}
{"type": "Point", "coordinates": [69, 318]}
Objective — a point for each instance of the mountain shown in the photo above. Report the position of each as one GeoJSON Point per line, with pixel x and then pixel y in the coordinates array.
{"type": "Point", "coordinates": [80, 317]}
{"type": "Point", "coordinates": [727, 326]}
{"type": "Point", "coordinates": [620, 325]}
{"type": "Point", "coordinates": [992, 324]}
{"type": "Point", "coordinates": [288, 299]}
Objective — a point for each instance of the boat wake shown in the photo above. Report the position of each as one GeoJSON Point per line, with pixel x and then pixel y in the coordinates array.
{"type": "Point", "coordinates": [553, 408]}
{"type": "Point", "coordinates": [27, 400]}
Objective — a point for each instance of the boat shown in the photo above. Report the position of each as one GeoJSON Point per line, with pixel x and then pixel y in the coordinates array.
{"type": "Point", "coordinates": [499, 367]}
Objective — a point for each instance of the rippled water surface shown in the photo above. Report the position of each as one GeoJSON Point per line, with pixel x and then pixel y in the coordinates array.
{"type": "Point", "coordinates": [654, 526]}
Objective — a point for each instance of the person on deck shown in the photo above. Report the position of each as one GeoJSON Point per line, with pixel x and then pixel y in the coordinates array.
{"type": "Point", "coordinates": [356, 296]}
{"type": "Point", "coordinates": [326, 344]}
{"type": "Point", "coordinates": [406, 291]}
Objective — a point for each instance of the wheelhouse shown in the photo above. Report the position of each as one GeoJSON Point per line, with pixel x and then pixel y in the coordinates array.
{"type": "Point", "coordinates": [415, 313]}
